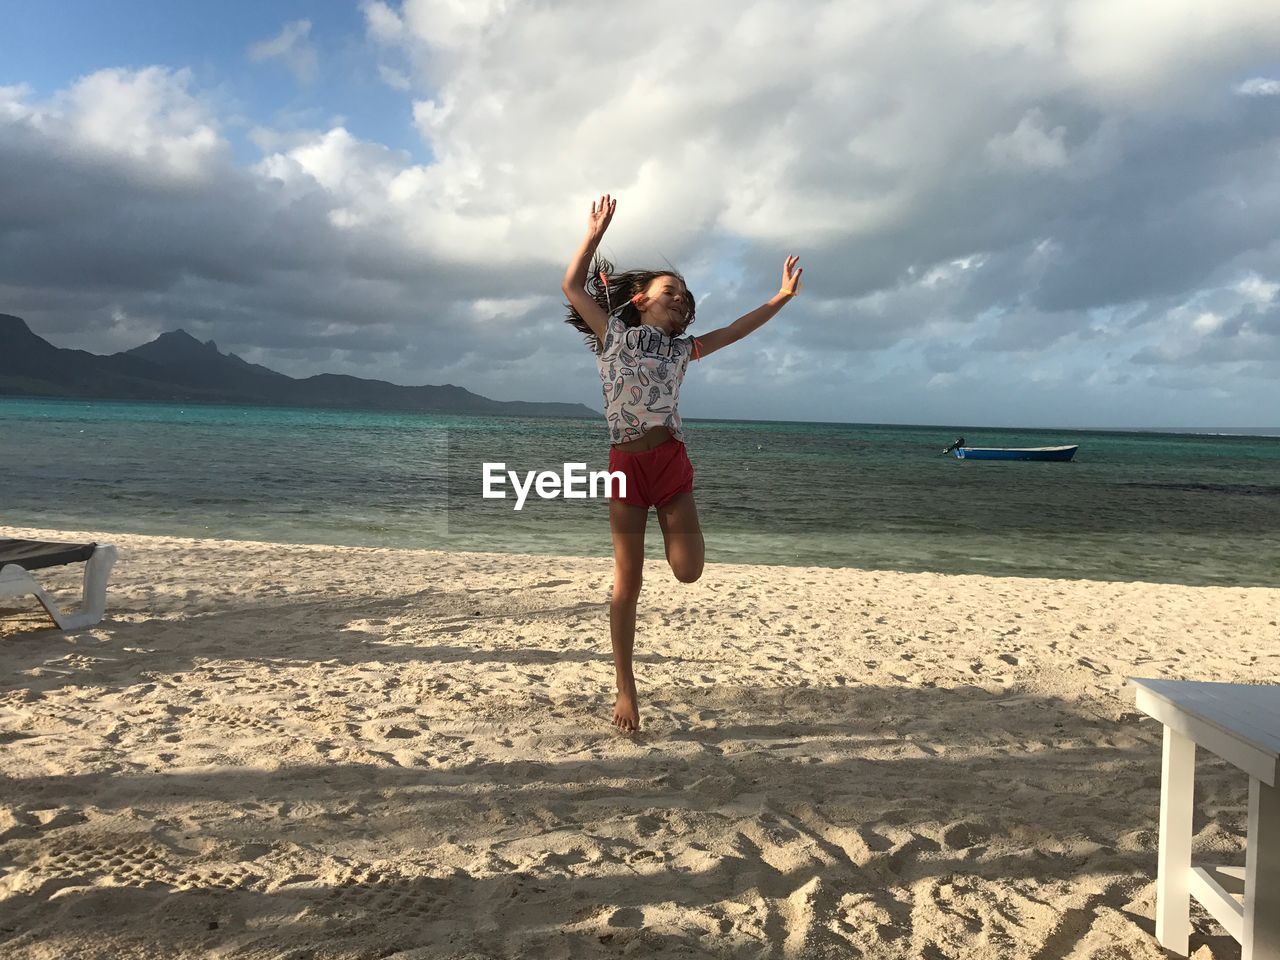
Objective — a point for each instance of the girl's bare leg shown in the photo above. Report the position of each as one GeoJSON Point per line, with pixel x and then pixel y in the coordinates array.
{"type": "Point", "coordinates": [627, 524]}
{"type": "Point", "coordinates": [686, 550]}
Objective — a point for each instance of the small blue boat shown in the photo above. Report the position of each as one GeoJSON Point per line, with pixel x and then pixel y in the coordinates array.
{"type": "Point", "coordinates": [1010, 453]}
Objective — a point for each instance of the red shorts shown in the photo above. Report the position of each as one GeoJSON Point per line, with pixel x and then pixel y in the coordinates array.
{"type": "Point", "coordinates": [653, 476]}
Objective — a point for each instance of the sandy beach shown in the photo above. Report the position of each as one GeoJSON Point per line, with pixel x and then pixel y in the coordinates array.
{"type": "Point", "coordinates": [323, 752]}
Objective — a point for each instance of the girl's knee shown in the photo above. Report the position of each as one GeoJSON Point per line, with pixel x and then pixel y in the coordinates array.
{"type": "Point", "coordinates": [626, 587]}
{"type": "Point", "coordinates": [687, 571]}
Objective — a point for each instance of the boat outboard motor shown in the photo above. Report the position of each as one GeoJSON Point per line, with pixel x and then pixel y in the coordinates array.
{"type": "Point", "coordinates": [959, 443]}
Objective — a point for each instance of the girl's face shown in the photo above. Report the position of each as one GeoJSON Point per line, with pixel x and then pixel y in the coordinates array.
{"type": "Point", "coordinates": [666, 304]}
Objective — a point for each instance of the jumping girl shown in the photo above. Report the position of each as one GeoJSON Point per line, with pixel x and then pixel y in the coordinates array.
{"type": "Point", "coordinates": [635, 324]}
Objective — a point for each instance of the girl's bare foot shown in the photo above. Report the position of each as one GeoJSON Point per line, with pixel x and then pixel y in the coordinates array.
{"type": "Point", "coordinates": [626, 716]}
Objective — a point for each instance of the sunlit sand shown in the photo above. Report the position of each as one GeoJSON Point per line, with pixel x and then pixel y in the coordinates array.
{"type": "Point", "coordinates": [334, 752]}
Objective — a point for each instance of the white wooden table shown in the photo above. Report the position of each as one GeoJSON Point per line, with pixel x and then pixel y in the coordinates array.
{"type": "Point", "coordinates": [1241, 724]}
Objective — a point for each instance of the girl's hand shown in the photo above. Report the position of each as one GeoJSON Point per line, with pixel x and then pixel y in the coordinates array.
{"type": "Point", "coordinates": [601, 214]}
{"type": "Point", "coordinates": [790, 277]}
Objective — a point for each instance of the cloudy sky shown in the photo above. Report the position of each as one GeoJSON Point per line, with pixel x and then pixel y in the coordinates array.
{"type": "Point", "coordinates": [1039, 213]}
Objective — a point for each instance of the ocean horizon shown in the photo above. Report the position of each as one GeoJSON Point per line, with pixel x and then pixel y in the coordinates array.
{"type": "Point", "coordinates": [1193, 505]}
{"type": "Point", "coordinates": [1226, 431]}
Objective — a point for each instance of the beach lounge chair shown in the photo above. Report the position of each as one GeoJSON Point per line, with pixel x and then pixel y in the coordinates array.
{"type": "Point", "coordinates": [19, 557]}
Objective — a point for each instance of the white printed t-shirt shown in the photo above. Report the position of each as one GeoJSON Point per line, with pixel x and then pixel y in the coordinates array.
{"type": "Point", "coordinates": [641, 369]}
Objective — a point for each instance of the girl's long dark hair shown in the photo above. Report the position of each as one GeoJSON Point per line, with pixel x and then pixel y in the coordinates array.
{"type": "Point", "coordinates": [615, 297]}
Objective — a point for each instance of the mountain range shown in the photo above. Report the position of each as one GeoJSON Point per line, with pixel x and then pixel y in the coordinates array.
{"type": "Point", "coordinates": [176, 367]}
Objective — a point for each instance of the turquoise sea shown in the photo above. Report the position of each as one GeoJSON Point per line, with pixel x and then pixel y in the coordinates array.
{"type": "Point", "coordinates": [1184, 508]}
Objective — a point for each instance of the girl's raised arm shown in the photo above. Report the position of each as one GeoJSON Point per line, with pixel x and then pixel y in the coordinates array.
{"type": "Point", "coordinates": [749, 323]}
{"type": "Point", "coordinates": [575, 278]}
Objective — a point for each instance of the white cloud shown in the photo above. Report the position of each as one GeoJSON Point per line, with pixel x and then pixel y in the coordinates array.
{"type": "Point", "coordinates": [382, 23]}
{"type": "Point", "coordinates": [454, 23]}
{"type": "Point", "coordinates": [292, 46]}
{"type": "Point", "coordinates": [145, 119]}
{"type": "Point", "coordinates": [393, 78]}
{"type": "Point", "coordinates": [1158, 53]}
{"type": "Point", "coordinates": [1259, 87]}
{"type": "Point", "coordinates": [1233, 323]}
{"type": "Point", "coordinates": [1207, 322]}
{"type": "Point", "coordinates": [1029, 145]}
{"type": "Point", "coordinates": [849, 122]}
{"type": "Point", "coordinates": [1256, 289]}
{"type": "Point", "coordinates": [13, 102]}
